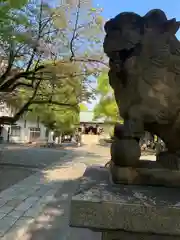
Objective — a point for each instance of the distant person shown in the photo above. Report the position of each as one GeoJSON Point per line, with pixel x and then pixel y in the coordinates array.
{"type": "Point", "coordinates": [144, 146]}
{"type": "Point", "coordinates": [78, 137]}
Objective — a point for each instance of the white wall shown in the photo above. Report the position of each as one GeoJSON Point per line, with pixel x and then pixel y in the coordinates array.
{"type": "Point", "coordinates": [5, 132]}
{"type": "Point", "coordinates": [25, 132]}
{"type": "Point", "coordinates": [5, 110]}
{"type": "Point", "coordinates": [25, 128]}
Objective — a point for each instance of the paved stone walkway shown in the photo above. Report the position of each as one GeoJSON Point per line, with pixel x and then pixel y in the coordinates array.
{"type": "Point", "coordinates": [38, 207]}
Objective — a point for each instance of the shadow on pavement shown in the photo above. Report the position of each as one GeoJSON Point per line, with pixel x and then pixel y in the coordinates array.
{"type": "Point", "coordinates": [62, 169]}
{"type": "Point", "coordinates": [36, 157]}
{"type": "Point", "coordinates": [53, 220]}
{"type": "Point", "coordinates": [18, 162]}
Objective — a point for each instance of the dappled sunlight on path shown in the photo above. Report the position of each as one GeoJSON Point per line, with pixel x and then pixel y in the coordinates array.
{"type": "Point", "coordinates": [65, 172]}
{"type": "Point", "coordinates": [40, 204]}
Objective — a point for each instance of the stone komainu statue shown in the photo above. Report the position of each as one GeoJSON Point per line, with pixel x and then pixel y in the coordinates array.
{"type": "Point", "coordinates": [144, 61]}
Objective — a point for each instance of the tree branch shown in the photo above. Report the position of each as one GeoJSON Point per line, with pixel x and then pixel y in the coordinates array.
{"type": "Point", "coordinates": [27, 104]}
{"type": "Point", "coordinates": [90, 60]}
{"type": "Point", "coordinates": [74, 31]}
{"type": "Point", "coordinates": [24, 108]}
{"type": "Point", "coordinates": [13, 54]}
{"type": "Point", "coordinates": [38, 37]}
{"type": "Point", "coordinates": [5, 87]}
{"type": "Point", "coordinates": [54, 103]}
{"type": "Point", "coordinates": [20, 84]}
{"type": "Point", "coordinates": [10, 62]}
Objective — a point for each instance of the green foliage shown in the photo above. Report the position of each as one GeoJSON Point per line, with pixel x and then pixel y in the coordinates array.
{"type": "Point", "coordinates": [111, 132]}
{"type": "Point", "coordinates": [103, 87]}
{"type": "Point", "coordinates": [106, 106]}
{"type": "Point", "coordinates": [11, 18]}
{"type": "Point", "coordinates": [57, 86]}
{"type": "Point", "coordinates": [83, 107]}
{"type": "Point", "coordinates": [57, 118]}
{"type": "Point", "coordinates": [16, 4]}
{"type": "Point", "coordinates": [35, 34]}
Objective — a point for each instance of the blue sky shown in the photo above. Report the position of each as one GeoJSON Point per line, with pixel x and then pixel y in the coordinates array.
{"type": "Point", "coordinates": [114, 7]}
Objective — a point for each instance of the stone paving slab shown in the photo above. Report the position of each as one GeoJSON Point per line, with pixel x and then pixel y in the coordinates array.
{"type": "Point", "coordinates": [24, 200]}
{"type": "Point", "coordinates": [53, 222]}
{"type": "Point", "coordinates": [24, 206]}
{"type": "Point", "coordinates": [10, 175]}
{"type": "Point", "coordinates": [38, 207]}
{"type": "Point", "coordinates": [20, 202]}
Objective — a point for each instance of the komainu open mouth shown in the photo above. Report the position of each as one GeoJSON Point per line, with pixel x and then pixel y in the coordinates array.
{"type": "Point", "coordinates": [126, 54]}
{"type": "Point", "coordinates": [117, 59]}
{"type": "Point", "coordinates": [123, 55]}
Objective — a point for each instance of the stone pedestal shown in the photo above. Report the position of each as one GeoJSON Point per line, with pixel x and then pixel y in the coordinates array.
{"type": "Point", "coordinates": [125, 211]}
{"type": "Point", "coordinates": [147, 173]}
{"type": "Point", "coordinates": [120, 235]}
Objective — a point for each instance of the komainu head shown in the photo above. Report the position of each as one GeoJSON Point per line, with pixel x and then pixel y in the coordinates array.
{"type": "Point", "coordinates": [126, 33]}
{"type": "Point", "coordinates": [144, 60]}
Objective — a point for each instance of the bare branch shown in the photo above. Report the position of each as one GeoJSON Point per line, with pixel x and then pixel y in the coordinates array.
{"type": "Point", "coordinates": [74, 31]}
{"type": "Point", "coordinates": [10, 62]}
{"type": "Point", "coordinates": [38, 37]}
{"type": "Point", "coordinates": [90, 60]}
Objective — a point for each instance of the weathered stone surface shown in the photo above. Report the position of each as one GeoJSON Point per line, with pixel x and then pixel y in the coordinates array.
{"type": "Point", "coordinates": [127, 150]}
{"type": "Point", "coordinates": [144, 61]}
{"type": "Point", "coordinates": [147, 173]}
{"type": "Point", "coordinates": [169, 160]}
{"type": "Point", "coordinates": [121, 235]}
{"type": "Point", "coordinates": [102, 206]}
